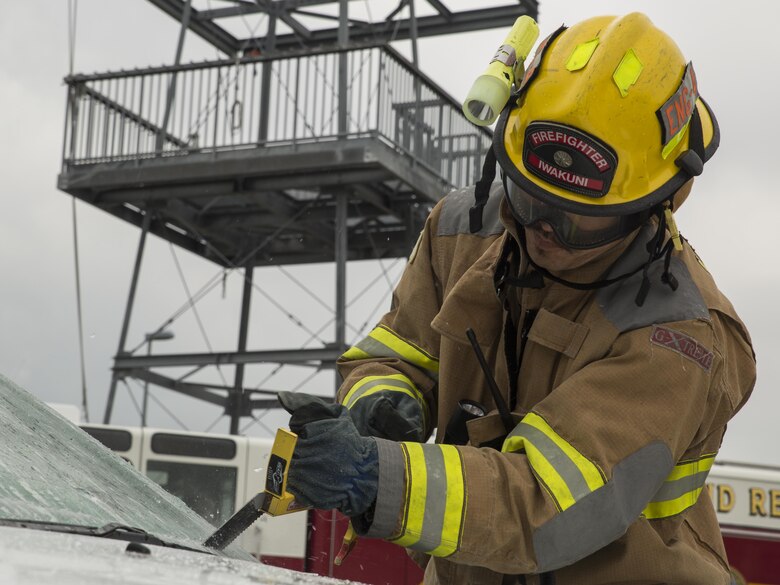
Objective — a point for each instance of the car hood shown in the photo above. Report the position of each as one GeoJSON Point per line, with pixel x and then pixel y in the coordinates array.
{"type": "Point", "coordinates": [35, 557]}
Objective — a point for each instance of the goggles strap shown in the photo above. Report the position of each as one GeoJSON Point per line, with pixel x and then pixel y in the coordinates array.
{"type": "Point", "coordinates": [482, 191]}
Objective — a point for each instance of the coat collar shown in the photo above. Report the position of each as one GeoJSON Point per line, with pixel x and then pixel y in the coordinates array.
{"type": "Point", "coordinates": [473, 302]}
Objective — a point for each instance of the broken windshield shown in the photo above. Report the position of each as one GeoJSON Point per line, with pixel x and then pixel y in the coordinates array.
{"type": "Point", "coordinates": [53, 472]}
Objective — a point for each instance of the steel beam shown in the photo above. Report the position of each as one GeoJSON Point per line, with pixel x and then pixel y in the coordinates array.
{"type": "Point", "coordinates": [185, 22]}
{"type": "Point", "coordinates": [243, 331]}
{"type": "Point", "coordinates": [272, 168]}
{"type": "Point", "coordinates": [199, 391]}
{"type": "Point", "coordinates": [172, 383]}
{"type": "Point", "coordinates": [228, 11]}
{"type": "Point", "coordinates": [207, 392]}
{"type": "Point", "coordinates": [343, 73]}
{"type": "Point", "coordinates": [439, 24]}
{"type": "Point", "coordinates": [132, 116]}
{"type": "Point", "coordinates": [352, 21]}
{"type": "Point", "coordinates": [268, 44]}
{"type": "Point", "coordinates": [311, 357]}
{"type": "Point", "coordinates": [440, 8]}
{"type": "Point", "coordinates": [210, 32]}
{"type": "Point", "coordinates": [445, 22]}
{"type": "Point", "coordinates": [128, 311]}
{"type": "Point", "coordinates": [341, 245]}
{"type": "Point", "coordinates": [296, 26]}
{"type": "Point", "coordinates": [186, 242]}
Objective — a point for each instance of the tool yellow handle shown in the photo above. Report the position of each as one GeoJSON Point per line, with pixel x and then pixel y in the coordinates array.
{"type": "Point", "coordinates": [275, 501]}
{"type": "Point", "coordinates": [278, 500]}
{"type": "Point", "coordinates": [350, 539]}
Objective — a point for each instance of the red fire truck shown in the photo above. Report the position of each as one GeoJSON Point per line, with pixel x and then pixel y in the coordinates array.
{"type": "Point", "coordinates": [216, 474]}
{"type": "Point", "coordinates": [747, 501]}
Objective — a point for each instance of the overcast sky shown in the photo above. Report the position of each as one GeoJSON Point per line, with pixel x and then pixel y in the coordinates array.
{"type": "Point", "coordinates": [731, 218]}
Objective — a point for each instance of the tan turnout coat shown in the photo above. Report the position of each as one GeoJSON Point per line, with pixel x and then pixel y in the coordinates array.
{"type": "Point", "coordinates": [620, 410]}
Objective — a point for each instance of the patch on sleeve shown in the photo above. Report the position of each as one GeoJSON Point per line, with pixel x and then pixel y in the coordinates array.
{"type": "Point", "coordinates": [684, 345]}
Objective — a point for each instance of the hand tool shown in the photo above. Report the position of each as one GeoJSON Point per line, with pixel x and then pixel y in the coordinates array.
{"type": "Point", "coordinates": [274, 501]}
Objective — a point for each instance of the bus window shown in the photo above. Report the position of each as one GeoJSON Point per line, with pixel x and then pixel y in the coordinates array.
{"type": "Point", "coordinates": [114, 439]}
{"type": "Point", "coordinates": [193, 446]}
{"type": "Point", "coordinates": [207, 489]}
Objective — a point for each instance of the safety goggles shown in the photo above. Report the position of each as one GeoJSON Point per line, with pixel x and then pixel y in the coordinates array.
{"type": "Point", "coordinates": [571, 229]}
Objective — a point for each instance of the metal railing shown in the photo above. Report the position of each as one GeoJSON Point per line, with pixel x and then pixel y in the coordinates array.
{"type": "Point", "coordinates": [268, 101]}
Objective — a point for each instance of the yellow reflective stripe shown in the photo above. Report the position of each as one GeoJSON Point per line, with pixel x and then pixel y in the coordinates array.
{"type": "Point", "coordinates": [391, 383]}
{"type": "Point", "coordinates": [566, 473]}
{"type": "Point", "coordinates": [627, 72]}
{"type": "Point", "coordinates": [682, 488]}
{"type": "Point", "coordinates": [553, 482]}
{"type": "Point", "coordinates": [416, 493]}
{"type": "Point", "coordinates": [384, 342]}
{"type": "Point", "coordinates": [687, 468]}
{"type": "Point", "coordinates": [435, 499]}
{"type": "Point", "coordinates": [656, 510]}
{"type": "Point", "coordinates": [405, 349]}
{"type": "Point", "coordinates": [355, 353]}
{"type": "Point", "coordinates": [674, 141]}
{"type": "Point", "coordinates": [455, 509]}
{"type": "Point", "coordinates": [592, 474]}
{"type": "Point", "coordinates": [581, 55]}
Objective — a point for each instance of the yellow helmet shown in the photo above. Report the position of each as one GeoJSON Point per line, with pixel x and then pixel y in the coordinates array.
{"type": "Point", "coordinates": [607, 121]}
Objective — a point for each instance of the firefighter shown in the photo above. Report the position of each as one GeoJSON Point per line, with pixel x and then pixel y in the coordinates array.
{"type": "Point", "coordinates": [614, 359]}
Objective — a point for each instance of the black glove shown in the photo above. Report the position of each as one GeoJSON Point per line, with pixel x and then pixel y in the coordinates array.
{"type": "Point", "coordinates": [380, 416]}
{"type": "Point", "coordinates": [332, 466]}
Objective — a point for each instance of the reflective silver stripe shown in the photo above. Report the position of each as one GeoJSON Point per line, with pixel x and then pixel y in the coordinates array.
{"type": "Point", "coordinates": [376, 348]}
{"type": "Point", "coordinates": [380, 382]}
{"type": "Point", "coordinates": [435, 501]}
{"type": "Point", "coordinates": [565, 467]}
{"type": "Point", "coordinates": [391, 492]}
{"type": "Point", "coordinates": [606, 514]}
{"type": "Point", "coordinates": [671, 490]}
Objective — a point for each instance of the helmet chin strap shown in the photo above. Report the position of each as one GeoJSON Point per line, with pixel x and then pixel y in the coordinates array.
{"type": "Point", "coordinates": [656, 250]}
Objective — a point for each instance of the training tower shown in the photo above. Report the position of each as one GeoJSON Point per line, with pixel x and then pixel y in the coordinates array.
{"type": "Point", "coordinates": [310, 141]}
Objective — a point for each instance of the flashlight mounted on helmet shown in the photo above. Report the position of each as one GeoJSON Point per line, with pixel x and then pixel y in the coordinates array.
{"type": "Point", "coordinates": [491, 90]}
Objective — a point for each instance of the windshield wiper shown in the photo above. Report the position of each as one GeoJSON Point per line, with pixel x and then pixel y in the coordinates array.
{"type": "Point", "coordinates": [112, 530]}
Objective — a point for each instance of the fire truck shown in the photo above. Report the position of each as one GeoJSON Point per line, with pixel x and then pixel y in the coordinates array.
{"type": "Point", "coordinates": [747, 501]}
{"type": "Point", "coordinates": [216, 474]}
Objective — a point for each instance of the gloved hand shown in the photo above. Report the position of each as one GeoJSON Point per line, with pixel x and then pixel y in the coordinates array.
{"type": "Point", "coordinates": [379, 416]}
{"type": "Point", "coordinates": [332, 466]}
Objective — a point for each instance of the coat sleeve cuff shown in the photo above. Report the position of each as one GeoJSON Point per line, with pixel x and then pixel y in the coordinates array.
{"type": "Point", "coordinates": [390, 493]}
